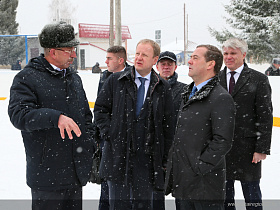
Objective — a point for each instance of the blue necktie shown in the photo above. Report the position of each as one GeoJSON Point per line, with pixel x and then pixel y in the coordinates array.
{"type": "Point", "coordinates": [194, 89]}
{"type": "Point", "coordinates": [140, 95]}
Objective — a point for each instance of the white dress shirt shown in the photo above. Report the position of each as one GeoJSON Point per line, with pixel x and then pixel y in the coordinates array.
{"type": "Point", "coordinates": [147, 82]}
{"type": "Point", "coordinates": [236, 75]}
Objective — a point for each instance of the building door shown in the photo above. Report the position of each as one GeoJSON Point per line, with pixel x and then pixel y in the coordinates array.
{"type": "Point", "coordinates": [82, 56]}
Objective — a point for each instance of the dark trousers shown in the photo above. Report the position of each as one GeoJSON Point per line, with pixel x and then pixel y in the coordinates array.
{"type": "Point", "coordinates": [177, 203]}
{"type": "Point", "coordinates": [70, 199]}
{"type": "Point", "coordinates": [198, 205]}
{"type": "Point", "coordinates": [251, 192]}
{"type": "Point", "coordinates": [137, 193]}
{"type": "Point", "coordinates": [135, 196]}
{"type": "Point", "coordinates": [158, 200]}
{"type": "Point", "coordinates": [104, 197]}
{"type": "Point", "coordinates": [104, 194]}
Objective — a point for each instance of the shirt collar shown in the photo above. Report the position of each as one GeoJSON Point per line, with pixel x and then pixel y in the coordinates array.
{"type": "Point", "coordinates": [202, 84]}
{"type": "Point", "coordinates": [56, 68]}
{"type": "Point", "coordinates": [148, 77]}
{"type": "Point", "coordinates": [238, 70]}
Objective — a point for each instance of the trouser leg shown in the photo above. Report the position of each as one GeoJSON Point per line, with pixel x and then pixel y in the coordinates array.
{"type": "Point", "coordinates": [252, 194]}
{"type": "Point", "coordinates": [58, 199]}
{"type": "Point", "coordinates": [230, 193]}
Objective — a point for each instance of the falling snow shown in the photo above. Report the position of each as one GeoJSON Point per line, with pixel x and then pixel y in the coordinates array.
{"type": "Point", "coordinates": [13, 174]}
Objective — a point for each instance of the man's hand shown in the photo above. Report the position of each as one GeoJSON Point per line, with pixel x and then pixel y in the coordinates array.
{"type": "Point", "coordinates": [66, 123]}
{"type": "Point", "coordinates": [257, 157]}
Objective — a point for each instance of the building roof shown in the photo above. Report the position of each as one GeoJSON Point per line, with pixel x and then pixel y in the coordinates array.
{"type": "Point", "coordinates": [100, 31]}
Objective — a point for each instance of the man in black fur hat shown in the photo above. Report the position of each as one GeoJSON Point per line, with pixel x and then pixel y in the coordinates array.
{"type": "Point", "coordinates": [48, 104]}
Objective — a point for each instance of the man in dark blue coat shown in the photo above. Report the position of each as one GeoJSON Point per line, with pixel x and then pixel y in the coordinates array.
{"type": "Point", "coordinates": [116, 62]}
{"type": "Point", "coordinates": [134, 112]}
{"type": "Point", "coordinates": [49, 105]}
{"type": "Point", "coordinates": [251, 93]}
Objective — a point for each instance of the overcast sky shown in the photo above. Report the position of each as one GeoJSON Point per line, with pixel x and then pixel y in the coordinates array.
{"type": "Point", "coordinates": [142, 17]}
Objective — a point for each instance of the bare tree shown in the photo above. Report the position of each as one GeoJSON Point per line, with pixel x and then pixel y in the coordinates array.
{"type": "Point", "coordinates": [62, 10]}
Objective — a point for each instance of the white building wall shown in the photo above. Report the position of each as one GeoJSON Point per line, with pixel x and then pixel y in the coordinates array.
{"type": "Point", "coordinates": [97, 55]}
{"type": "Point", "coordinates": [92, 55]}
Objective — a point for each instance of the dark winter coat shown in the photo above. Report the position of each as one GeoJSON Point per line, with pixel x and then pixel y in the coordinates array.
{"type": "Point", "coordinates": [103, 77]}
{"type": "Point", "coordinates": [105, 74]}
{"type": "Point", "coordinates": [177, 90]}
{"type": "Point", "coordinates": [204, 132]}
{"type": "Point", "coordinates": [114, 113]}
{"type": "Point", "coordinates": [253, 123]}
{"type": "Point", "coordinates": [272, 71]}
{"type": "Point", "coordinates": [96, 69]}
{"type": "Point", "coordinates": [39, 95]}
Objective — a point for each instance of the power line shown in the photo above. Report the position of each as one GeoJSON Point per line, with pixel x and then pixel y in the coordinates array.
{"type": "Point", "coordinates": [156, 20]}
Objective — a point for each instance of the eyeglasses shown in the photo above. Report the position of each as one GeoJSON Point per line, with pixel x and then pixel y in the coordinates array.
{"type": "Point", "coordinates": [68, 51]}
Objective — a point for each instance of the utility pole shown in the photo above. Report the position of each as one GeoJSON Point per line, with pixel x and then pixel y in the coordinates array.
{"type": "Point", "coordinates": [111, 32]}
{"type": "Point", "coordinates": [187, 39]}
{"type": "Point", "coordinates": [118, 22]}
{"type": "Point", "coordinates": [185, 35]}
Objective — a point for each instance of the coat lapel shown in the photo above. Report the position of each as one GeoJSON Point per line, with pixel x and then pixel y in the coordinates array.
{"type": "Point", "coordinates": [223, 78]}
{"type": "Point", "coordinates": [242, 80]}
{"type": "Point", "coordinates": [128, 76]}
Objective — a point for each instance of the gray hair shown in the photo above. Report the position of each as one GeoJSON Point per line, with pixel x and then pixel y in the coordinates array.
{"type": "Point", "coordinates": [236, 43]}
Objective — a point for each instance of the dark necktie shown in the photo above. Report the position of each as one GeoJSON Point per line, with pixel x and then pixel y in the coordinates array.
{"type": "Point", "coordinates": [140, 95]}
{"type": "Point", "coordinates": [194, 89]}
{"type": "Point", "coordinates": [231, 82]}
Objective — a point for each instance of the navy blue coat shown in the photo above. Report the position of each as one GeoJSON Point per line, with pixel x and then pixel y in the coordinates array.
{"type": "Point", "coordinates": [39, 95]}
{"type": "Point", "coordinates": [114, 113]}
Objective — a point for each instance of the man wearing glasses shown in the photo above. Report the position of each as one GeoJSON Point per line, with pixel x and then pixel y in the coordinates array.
{"type": "Point", "coordinates": [48, 104]}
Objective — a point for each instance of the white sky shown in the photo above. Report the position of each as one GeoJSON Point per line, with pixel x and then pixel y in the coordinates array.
{"type": "Point", "coordinates": [142, 17]}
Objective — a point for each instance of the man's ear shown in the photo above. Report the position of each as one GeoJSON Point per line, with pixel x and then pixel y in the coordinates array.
{"type": "Point", "coordinates": [121, 60]}
{"type": "Point", "coordinates": [155, 60]}
{"type": "Point", "coordinates": [52, 53]}
{"type": "Point", "coordinates": [211, 64]}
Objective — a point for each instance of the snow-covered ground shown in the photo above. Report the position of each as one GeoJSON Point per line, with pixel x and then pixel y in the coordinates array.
{"type": "Point", "coordinates": [13, 188]}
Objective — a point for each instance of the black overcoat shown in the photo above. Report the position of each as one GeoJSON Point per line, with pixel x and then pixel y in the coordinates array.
{"type": "Point", "coordinates": [253, 123]}
{"type": "Point", "coordinates": [204, 132]}
{"type": "Point", "coordinates": [39, 95]}
{"type": "Point", "coordinates": [114, 114]}
{"type": "Point", "coordinates": [177, 90]}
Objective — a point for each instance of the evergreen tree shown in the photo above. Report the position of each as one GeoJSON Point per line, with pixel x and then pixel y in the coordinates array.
{"type": "Point", "coordinates": [257, 22]}
{"type": "Point", "coordinates": [12, 48]}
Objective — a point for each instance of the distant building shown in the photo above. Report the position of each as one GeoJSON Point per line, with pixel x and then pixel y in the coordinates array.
{"type": "Point", "coordinates": [177, 47]}
{"type": "Point", "coordinates": [34, 48]}
{"type": "Point", "coordinates": [94, 41]}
